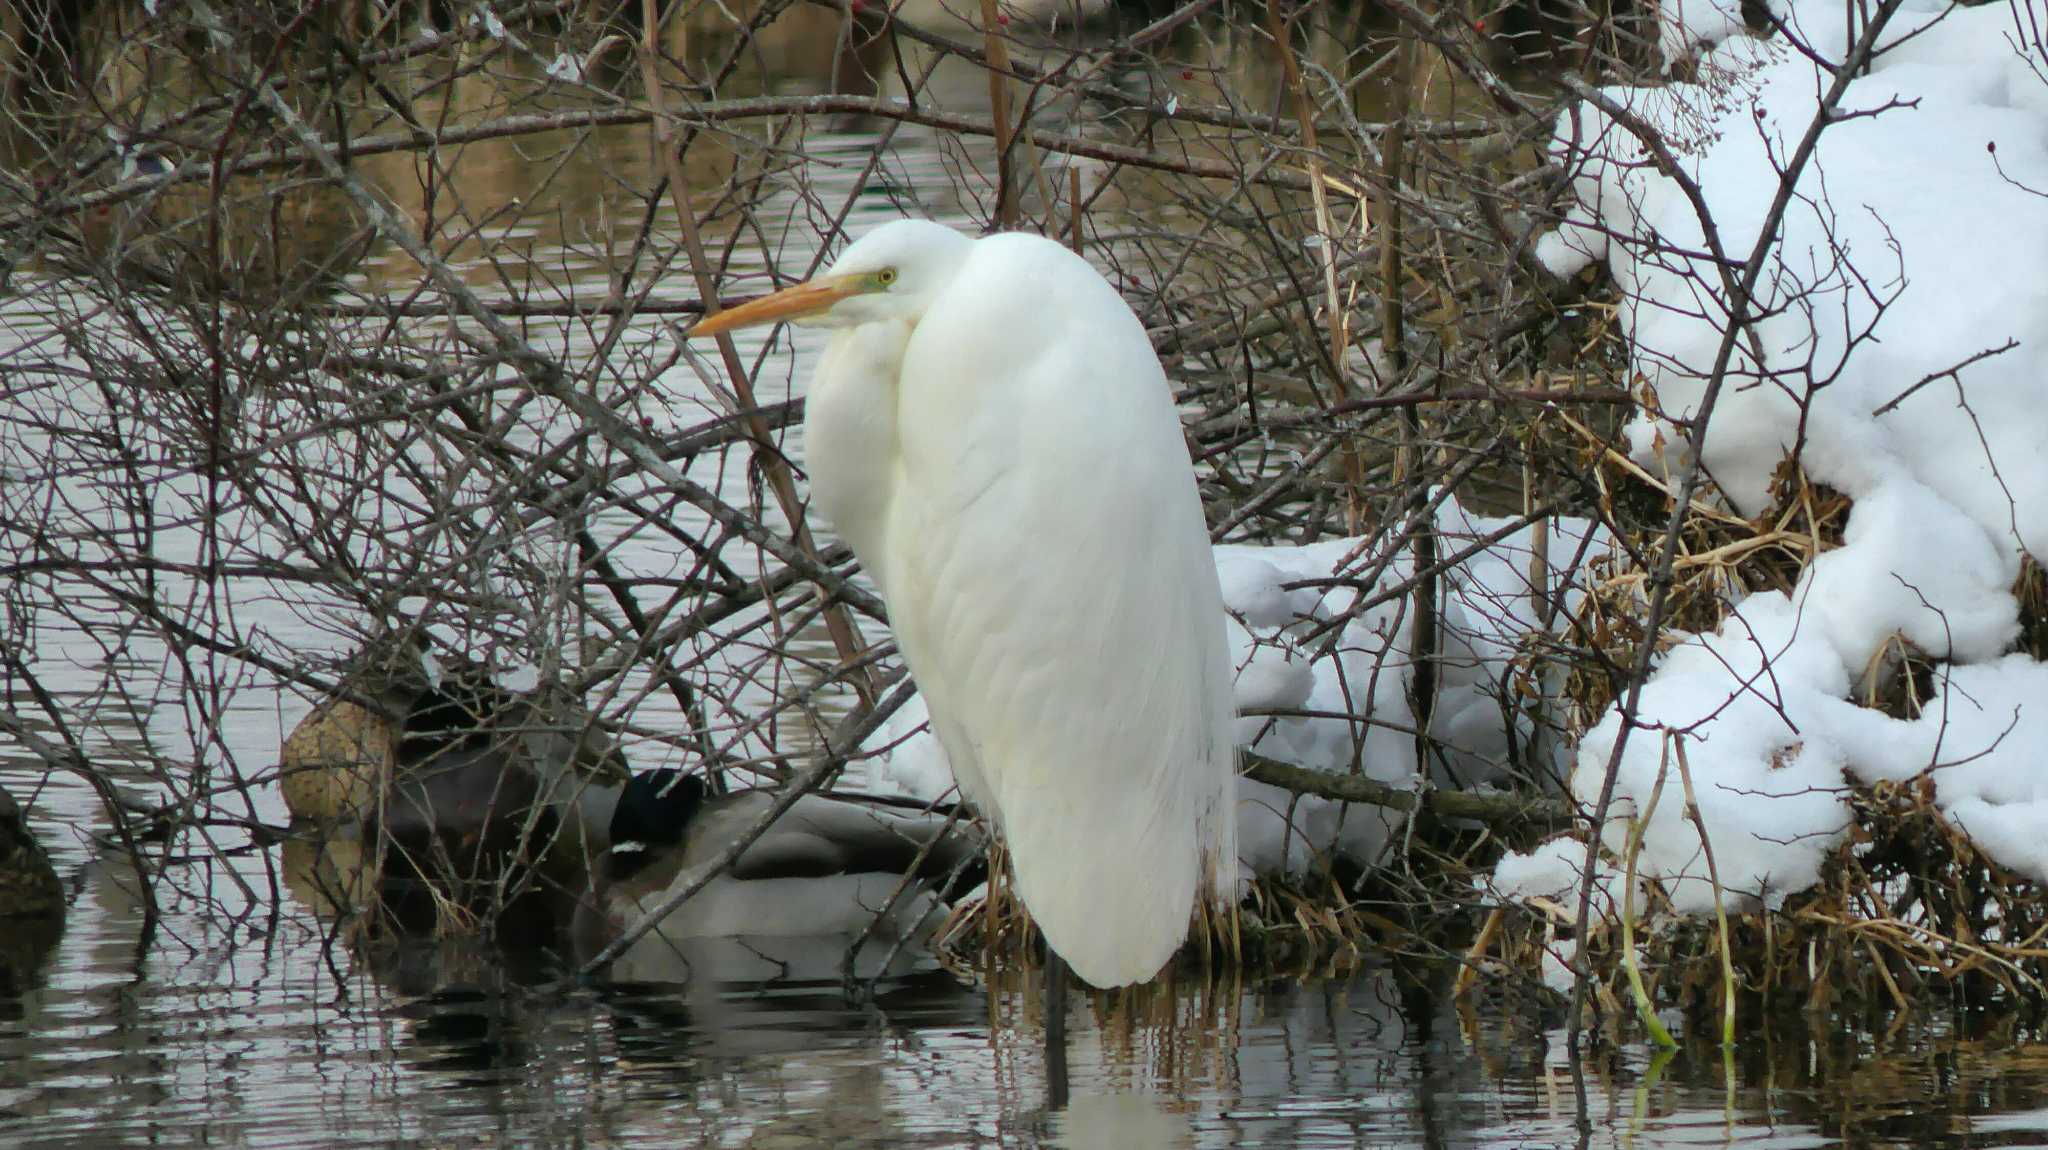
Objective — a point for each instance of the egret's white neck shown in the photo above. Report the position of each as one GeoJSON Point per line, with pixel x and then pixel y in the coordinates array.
{"type": "Point", "coordinates": [850, 438]}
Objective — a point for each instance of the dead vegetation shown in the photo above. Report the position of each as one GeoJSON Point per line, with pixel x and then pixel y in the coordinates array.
{"type": "Point", "coordinates": [361, 319]}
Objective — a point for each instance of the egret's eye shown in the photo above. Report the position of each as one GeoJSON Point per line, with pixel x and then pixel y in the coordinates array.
{"type": "Point", "coordinates": [885, 277]}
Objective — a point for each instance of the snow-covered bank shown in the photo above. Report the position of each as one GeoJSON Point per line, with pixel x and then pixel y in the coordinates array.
{"type": "Point", "coordinates": [1896, 355]}
{"type": "Point", "coordinates": [1915, 250]}
{"type": "Point", "coordinates": [1324, 682]}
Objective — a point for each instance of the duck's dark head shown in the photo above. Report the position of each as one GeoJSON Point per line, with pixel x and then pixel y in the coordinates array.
{"type": "Point", "coordinates": [653, 811]}
{"type": "Point", "coordinates": [464, 711]}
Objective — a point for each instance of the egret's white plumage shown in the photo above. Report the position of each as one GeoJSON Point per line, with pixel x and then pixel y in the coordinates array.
{"type": "Point", "coordinates": [991, 432]}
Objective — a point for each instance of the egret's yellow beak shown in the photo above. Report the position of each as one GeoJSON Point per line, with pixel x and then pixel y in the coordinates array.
{"type": "Point", "coordinates": [805, 299]}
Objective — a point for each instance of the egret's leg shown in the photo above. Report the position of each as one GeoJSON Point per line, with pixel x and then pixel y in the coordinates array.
{"type": "Point", "coordinates": [1055, 1002]}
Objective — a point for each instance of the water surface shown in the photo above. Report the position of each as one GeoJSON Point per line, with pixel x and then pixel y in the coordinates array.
{"type": "Point", "coordinates": [267, 1032]}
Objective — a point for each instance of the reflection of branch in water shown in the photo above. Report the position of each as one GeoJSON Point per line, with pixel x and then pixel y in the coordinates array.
{"type": "Point", "coordinates": [911, 880]}
{"type": "Point", "coordinates": [70, 758]}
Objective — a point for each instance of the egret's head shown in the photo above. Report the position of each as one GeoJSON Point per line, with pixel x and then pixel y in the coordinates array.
{"type": "Point", "coordinates": [893, 272]}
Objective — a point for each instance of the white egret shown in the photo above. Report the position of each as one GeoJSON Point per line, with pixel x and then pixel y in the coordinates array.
{"type": "Point", "coordinates": [992, 433]}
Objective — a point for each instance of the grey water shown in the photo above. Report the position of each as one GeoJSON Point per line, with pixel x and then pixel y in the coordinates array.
{"type": "Point", "coordinates": [256, 1027]}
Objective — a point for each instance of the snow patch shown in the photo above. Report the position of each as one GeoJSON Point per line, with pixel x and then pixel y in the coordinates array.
{"type": "Point", "coordinates": [1898, 358]}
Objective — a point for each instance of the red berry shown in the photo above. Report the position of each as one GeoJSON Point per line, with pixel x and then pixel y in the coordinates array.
{"type": "Point", "coordinates": [1003, 18]}
{"type": "Point", "coordinates": [1187, 73]}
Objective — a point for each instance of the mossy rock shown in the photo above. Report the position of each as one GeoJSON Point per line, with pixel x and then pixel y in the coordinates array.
{"type": "Point", "coordinates": [335, 761]}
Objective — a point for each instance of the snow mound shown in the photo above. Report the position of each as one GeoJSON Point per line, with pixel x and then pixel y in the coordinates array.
{"type": "Point", "coordinates": [1899, 359]}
